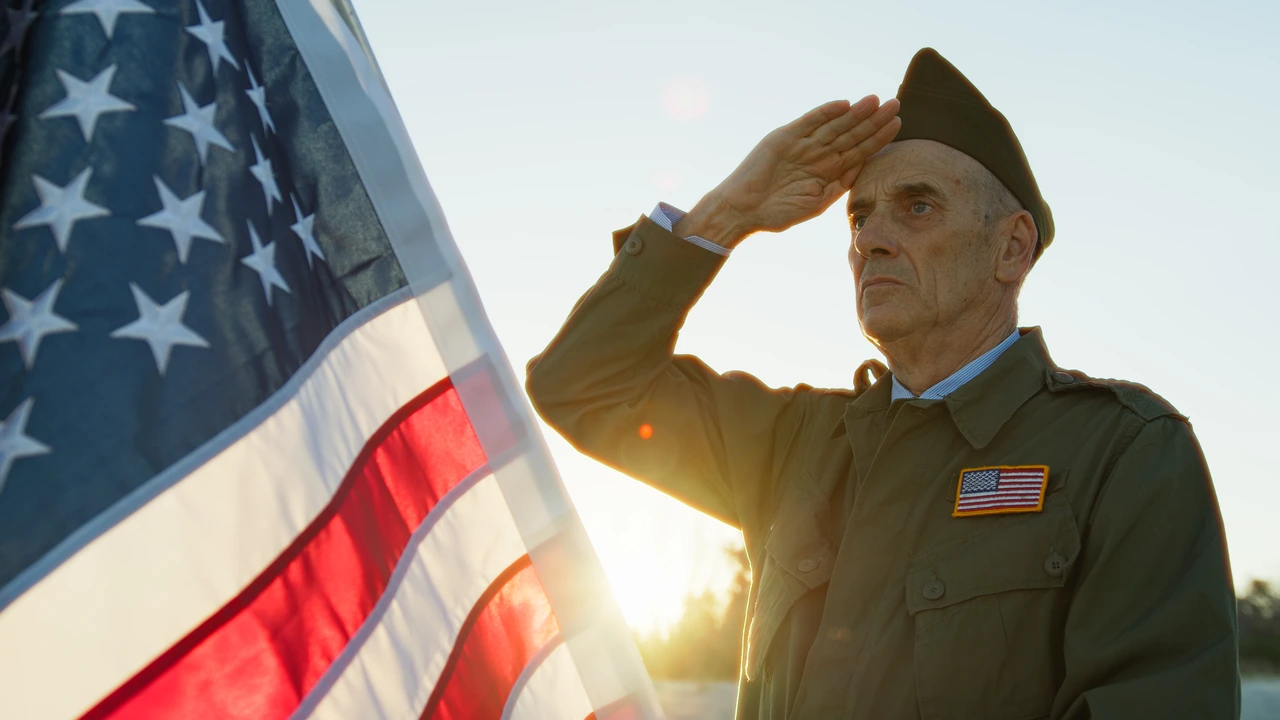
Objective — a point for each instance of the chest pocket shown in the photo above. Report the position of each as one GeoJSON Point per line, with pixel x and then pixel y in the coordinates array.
{"type": "Point", "coordinates": [798, 558]}
{"type": "Point", "coordinates": [988, 612]}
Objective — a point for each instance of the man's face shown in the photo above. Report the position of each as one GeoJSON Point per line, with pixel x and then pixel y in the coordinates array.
{"type": "Point", "coordinates": [921, 254]}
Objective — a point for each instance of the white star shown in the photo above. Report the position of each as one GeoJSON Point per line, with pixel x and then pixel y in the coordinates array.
{"type": "Point", "coordinates": [210, 33]}
{"type": "Point", "coordinates": [258, 95]}
{"type": "Point", "coordinates": [160, 326]}
{"type": "Point", "coordinates": [303, 229]}
{"type": "Point", "coordinates": [61, 207]}
{"type": "Point", "coordinates": [261, 171]}
{"type": "Point", "coordinates": [106, 10]}
{"type": "Point", "coordinates": [263, 262]}
{"type": "Point", "coordinates": [14, 441]}
{"type": "Point", "coordinates": [85, 101]}
{"type": "Point", "coordinates": [31, 320]}
{"type": "Point", "coordinates": [199, 122]}
{"type": "Point", "coordinates": [181, 218]}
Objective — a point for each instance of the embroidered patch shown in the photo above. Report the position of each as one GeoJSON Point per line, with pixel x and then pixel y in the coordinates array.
{"type": "Point", "coordinates": [1001, 489]}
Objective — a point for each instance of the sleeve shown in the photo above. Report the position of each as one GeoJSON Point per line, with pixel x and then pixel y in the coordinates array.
{"type": "Point", "coordinates": [610, 384]}
{"type": "Point", "coordinates": [1151, 629]}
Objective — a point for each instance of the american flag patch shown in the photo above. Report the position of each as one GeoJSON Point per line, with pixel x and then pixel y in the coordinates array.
{"type": "Point", "coordinates": [1001, 489]}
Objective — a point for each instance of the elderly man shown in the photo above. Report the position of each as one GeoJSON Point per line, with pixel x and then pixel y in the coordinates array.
{"type": "Point", "coordinates": [978, 533]}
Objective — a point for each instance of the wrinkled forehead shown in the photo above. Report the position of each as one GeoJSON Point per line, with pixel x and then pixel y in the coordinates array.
{"type": "Point", "coordinates": [915, 162]}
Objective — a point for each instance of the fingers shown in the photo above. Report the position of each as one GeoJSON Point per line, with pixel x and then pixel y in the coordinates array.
{"type": "Point", "coordinates": [867, 127]}
{"type": "Point", "coordinates": [816, 118]}
{"type": "Point", "coordinates": [853, 158]}
{"type": "Point", "coordinates": [842, 123]}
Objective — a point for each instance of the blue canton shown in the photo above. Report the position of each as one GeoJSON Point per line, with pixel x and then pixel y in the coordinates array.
{"type": "Point", "coordinates": [978, 481]}
{"type": "Point", "coordinates": [180, 227]}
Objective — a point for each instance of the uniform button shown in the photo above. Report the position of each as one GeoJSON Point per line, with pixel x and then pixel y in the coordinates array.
{"type": "Point", "coordinates": [634, 246]}
{"type": "Point", "coordinates": [808, 564]}
{"type": "Point", "coordinates": [1065, 378]}
{"type": "Point", "coordinates": [1055, 564]}
{"type": "Point", "coordinates": [934, 589]}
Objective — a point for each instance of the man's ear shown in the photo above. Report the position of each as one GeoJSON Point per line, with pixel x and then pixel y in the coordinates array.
{"type": "Point", "coordinates": [1017, 242]}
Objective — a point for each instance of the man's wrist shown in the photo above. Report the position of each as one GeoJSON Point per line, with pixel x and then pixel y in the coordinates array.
{"type": "Point", "coordinates": [714, 221]}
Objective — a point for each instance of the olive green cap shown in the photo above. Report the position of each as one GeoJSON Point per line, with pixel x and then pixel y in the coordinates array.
{"type": "Point", "coordinates": [940, 104]}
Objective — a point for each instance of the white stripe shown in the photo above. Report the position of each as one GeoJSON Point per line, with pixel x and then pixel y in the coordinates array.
{"type": "Point", "coordinates": [554, 691]}
{"type": "Point", "coordinates": [159, 573]}
{"type": "Point", "coordinates": [393, 674]}
{"type": "Point", "coordinates": [378, 142]}
{"type": "Point", "coordinates": [144, 494]}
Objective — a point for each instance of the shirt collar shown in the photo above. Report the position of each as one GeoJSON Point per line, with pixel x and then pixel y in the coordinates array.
{"type": "Point", "coordinates": [981, 407]}
{"type": "Point", "coordinates": [958, 378]}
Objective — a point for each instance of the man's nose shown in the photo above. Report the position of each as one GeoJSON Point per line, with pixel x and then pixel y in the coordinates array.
{"type": "Point", "coordinates": [875, 238]}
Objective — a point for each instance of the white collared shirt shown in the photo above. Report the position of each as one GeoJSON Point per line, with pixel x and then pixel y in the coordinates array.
{"type": "Point", "coordinates": [958, 378]}
{"type": "Point", "coordinates": [667, 216]}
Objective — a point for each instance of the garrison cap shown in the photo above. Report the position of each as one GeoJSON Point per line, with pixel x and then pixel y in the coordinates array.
{"type": "Point", "coordinates": [940, 104]}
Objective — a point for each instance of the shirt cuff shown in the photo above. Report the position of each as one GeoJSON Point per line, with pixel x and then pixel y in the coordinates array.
{"type": "Point", "coordinates": [667, 216]}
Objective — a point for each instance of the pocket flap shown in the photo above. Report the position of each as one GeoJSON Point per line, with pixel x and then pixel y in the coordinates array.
{"type": "Point", "coordinates": [1029, 552]}
{"type": "Point", "coordinates": [799, 540]}
{"type": "Point", "coordinates": [798, 558]}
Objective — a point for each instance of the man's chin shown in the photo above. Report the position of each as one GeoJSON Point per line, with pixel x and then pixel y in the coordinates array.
{"type": "Point", "coordinates": [882, 325]}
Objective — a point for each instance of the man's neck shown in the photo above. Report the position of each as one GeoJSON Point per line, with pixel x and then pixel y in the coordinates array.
{"type": "Point", "coordinates": [921, 361]}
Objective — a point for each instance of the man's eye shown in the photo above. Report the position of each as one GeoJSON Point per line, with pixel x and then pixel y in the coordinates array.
{"type": "Point", "coordinates": [859, 221]}
{"type": "Point", "coordinates": [920, 208]}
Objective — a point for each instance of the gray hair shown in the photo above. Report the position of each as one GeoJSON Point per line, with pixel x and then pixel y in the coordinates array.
{"type": "Point", "coordinates": [997, 202]}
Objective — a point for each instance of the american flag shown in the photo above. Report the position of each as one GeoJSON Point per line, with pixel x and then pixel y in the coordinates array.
{"type": "Point", "coordinates": [992, 490]}
{"type": "Point", "coordinates": [261, 454]}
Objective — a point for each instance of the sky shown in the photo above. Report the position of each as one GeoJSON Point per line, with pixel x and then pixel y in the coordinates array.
{"type": "Point", "coordinates": [1153, 130]}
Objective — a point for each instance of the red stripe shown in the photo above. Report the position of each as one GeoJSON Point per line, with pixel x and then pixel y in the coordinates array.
{"type": "Point", "coordinates": [506, 628]}
{"type": "Point", "coordinates": [999, 495]}
{"type": "Point", "coordinates": [259, 655]}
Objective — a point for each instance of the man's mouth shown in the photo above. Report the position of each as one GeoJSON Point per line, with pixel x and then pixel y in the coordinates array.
{"type": "Point", "coordinates": [879, 282]}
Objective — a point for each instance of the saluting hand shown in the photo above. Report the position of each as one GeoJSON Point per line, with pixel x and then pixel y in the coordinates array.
{"type": "Point", "coordinates": [796, 171]}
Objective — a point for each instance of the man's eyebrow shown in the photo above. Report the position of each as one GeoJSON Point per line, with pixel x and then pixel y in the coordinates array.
{"type": "Point", "coordinates": [907, 189]}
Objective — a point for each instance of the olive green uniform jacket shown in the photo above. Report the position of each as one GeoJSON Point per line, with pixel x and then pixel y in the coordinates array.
{"type": "Point", "coordinates": [869, 599]}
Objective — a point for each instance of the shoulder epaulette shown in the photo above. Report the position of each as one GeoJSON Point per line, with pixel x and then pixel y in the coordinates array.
{"type": "Point", "coordinates": [1139, 398]}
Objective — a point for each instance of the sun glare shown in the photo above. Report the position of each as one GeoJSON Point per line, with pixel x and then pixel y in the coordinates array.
{"type": "Point", "coordinates": [656, 555]}
{"type": "Point", "coordinates": [647, 606]}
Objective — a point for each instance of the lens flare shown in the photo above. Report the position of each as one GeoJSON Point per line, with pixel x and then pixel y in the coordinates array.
{"type": "Point", "coordinates": [686, 98]}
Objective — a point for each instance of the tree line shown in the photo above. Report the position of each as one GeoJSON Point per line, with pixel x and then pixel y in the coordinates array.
{"type": "Point", "coordinates": [703, 645]}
